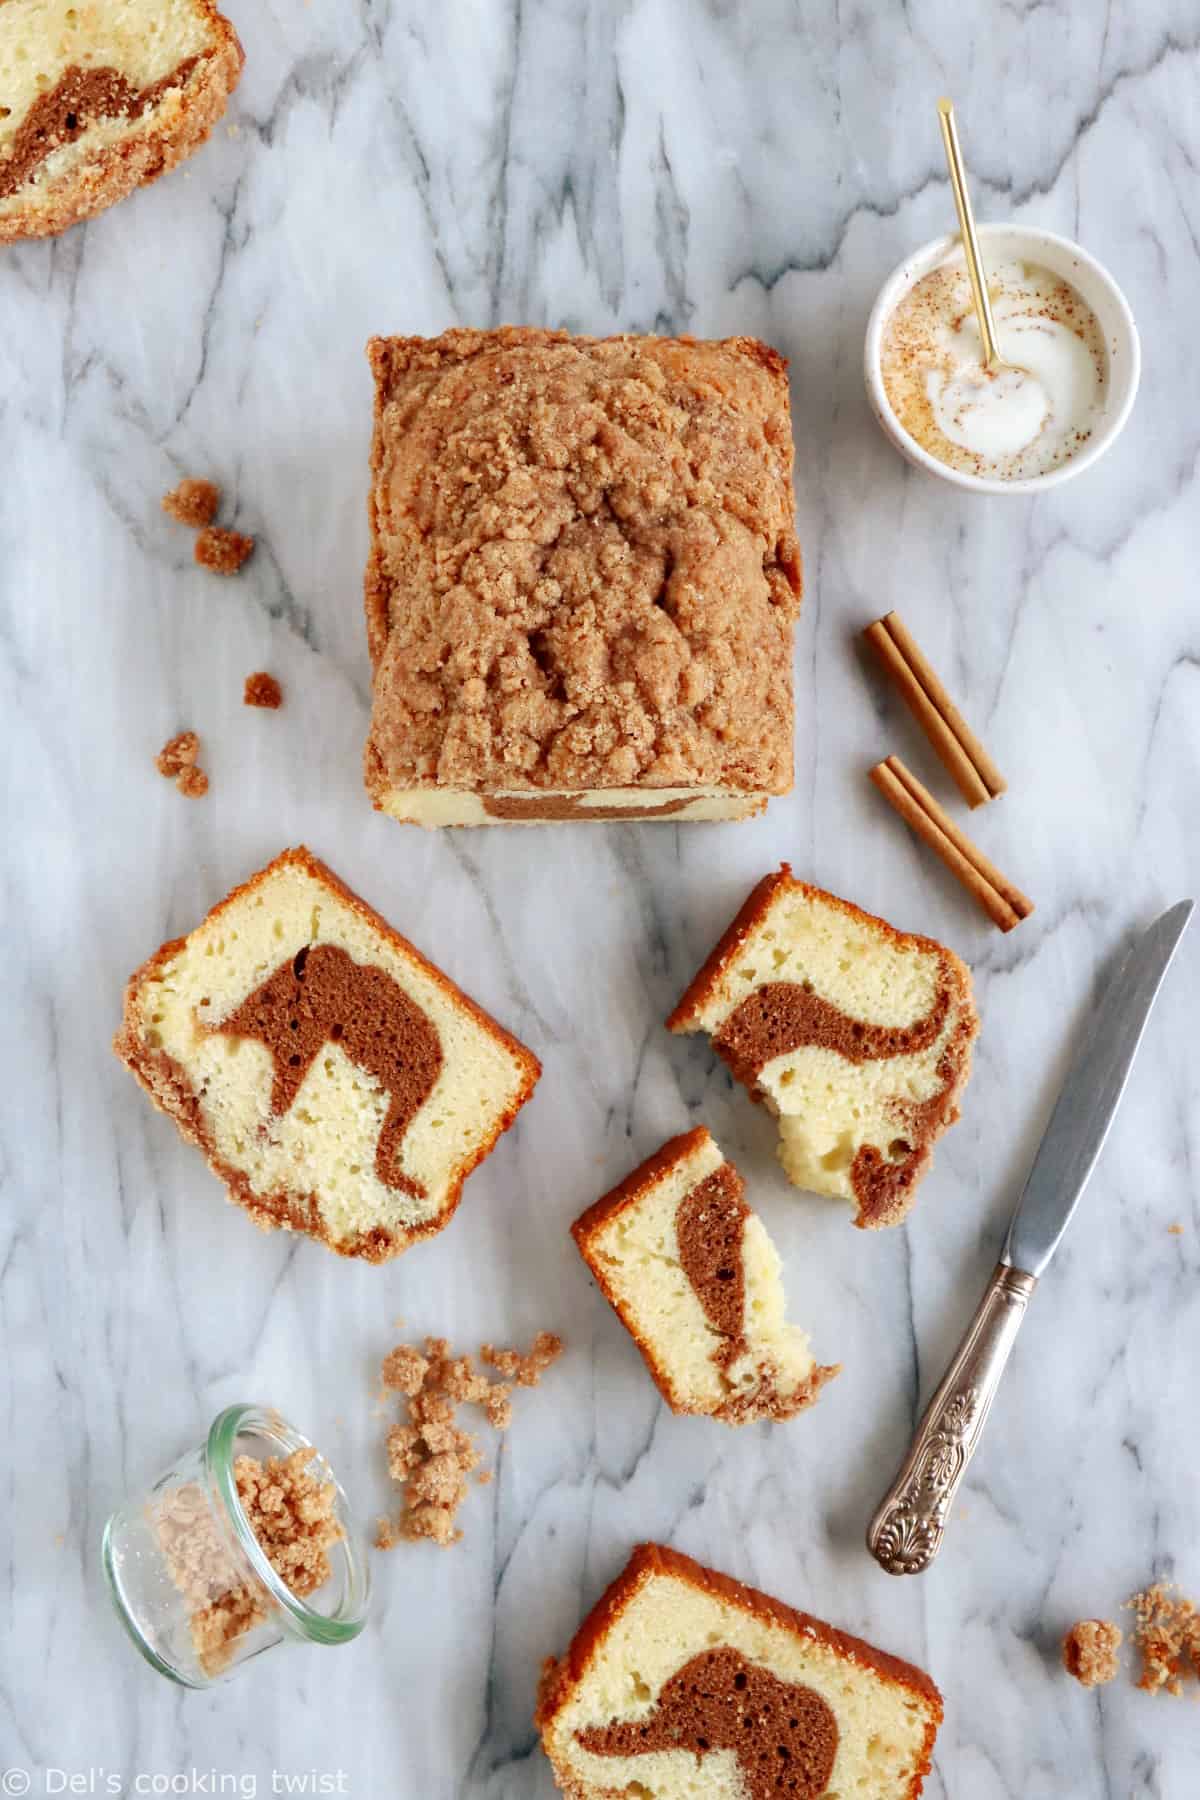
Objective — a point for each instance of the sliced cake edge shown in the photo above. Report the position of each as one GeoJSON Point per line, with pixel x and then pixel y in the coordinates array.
{"type": "Point", "coordinates": [770, 1395]}
{"type": "Point", "coordinates": [108, 173]}
{"type": "Point", "coordinates": [168, 1086]}
{"type": "Point", "coordinates": [562, 1676]}
{"type": "Point", "coordinates": [705, 988]}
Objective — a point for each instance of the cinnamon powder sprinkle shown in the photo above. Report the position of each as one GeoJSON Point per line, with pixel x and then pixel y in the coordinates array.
{"type": "Point", "coordinates": [429, 1455]}
{"type": "Point", "coordinates": [193, 502]}
{"type": "Point", "coordinates": [221, 551]}
{"type": "Point", "coordinates": [263, 690]}
{"type": "Point", "coordinates": [290, 1511]}
{"type": "Point", "coordinates": [1089, 1651]}
{"type": "Point", "coordinates": [1167, 1635]}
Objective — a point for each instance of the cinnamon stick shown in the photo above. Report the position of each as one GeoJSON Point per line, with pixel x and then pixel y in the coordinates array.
{"type": "Point", "coordinates": [1004, 904]}
{"type": "Point", "coordinates": [967, 762]}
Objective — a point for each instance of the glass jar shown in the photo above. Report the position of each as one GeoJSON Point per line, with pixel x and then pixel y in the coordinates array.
{"type": "Point", "coordinates": [191, 1582]}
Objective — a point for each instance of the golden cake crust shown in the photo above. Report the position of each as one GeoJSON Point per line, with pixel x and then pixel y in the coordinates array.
{"type": "Point", "coordinates": [930, 1119]}
{"type": "Point", "coordinates": [560, 1676]}
{"type": "Point", "coordinates": [112, 171]}
{"type": "Point", "coordinates": [752, 913]}
{"type": "Point", "coordinates": [626, 1193]}
{"type": "Point", "coordinates": [583, 570]}
{"type": "Point", "coordinates": [169, 1088]}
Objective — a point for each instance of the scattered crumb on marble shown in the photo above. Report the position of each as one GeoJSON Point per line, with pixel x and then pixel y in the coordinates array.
{"type": "Point", "coordinates": [177, 754]}
{"type": "Point", "coordinates": [222, 551]}
{"type": "Point", "coordinates": [429, 1457]}
{"type": "Point", "coordinates": [405, 1369]}
{"type": "Point", "coordinates": [291, 1512]}
{"type": "Point", "coordinates": [1167, 1635]}
{"type": "Point", "coordinates": [525, 1370]}
{"type": "Point", "coordinates": [1175, 1230]}
{"type": "Point", "coordinates": [177, 761]}
{"type": "Point", "coordinates": [1089, 1651]}
{"type": "Point", "coordinates": [193, 502]}
{"type": "Point", "coordinates": [498, 1406]}
{"type": "Point", "coordinates": [193, 782]}
{"type": "Point", "coordinates": [262, 690]}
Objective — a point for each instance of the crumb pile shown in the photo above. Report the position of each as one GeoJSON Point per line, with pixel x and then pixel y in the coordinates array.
{"type": "Point", "coordinates": [429, 1456]}
{"type": "Point", "coordinates": [193, 783]}
{"type": "Point", "coordinates": [1167, 1635]}
{"type": "Point", "coordinates": [222, 551]}
{"type": "Point", "coordinates": [263, 690]}
{"type": "Point", "coordinates": [195, 503]}
{"type": "Point", "coordinates": [291, 1513]}
{"type": "Point", "coordinates": [177, 761]}
{"type": "Point", "coordinates": [1089, 1651]}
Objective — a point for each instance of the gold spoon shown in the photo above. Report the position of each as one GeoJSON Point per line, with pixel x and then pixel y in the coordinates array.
{"type": "Point", "coordinates": [992, 360]}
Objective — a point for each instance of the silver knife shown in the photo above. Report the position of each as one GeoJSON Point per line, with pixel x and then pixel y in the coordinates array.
{"type": "Point", "coordinates": [906, 1533]}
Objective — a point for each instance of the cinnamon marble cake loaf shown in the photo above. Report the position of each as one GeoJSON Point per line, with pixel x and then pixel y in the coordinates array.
{"type": "Point", "coordinates": [98, 97]}
{"type": "Point", "coordinates": [583, 578]}
{"type": "Point", "coordinates": [338, 1083]}
{"type": "Point", "coordinates": [682, 1683]}
{"type": "Point", "coordinates": [856, 1035]}
{"type": "Point", "coordinates": [694, 1278]}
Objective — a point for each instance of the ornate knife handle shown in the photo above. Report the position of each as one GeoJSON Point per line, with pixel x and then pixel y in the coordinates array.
{"type": "Point", "coordinates": [906, 1533]}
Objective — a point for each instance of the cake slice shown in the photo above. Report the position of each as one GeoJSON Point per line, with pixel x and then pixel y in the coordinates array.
{"type": "Point", "coordinates": [100, 97]}
{"type": "Point", "coordinates": [857, 1036]}
{"type": "Point", "coordinates": [337, 1082]}
{"type": "Point", "coordinates": [683, 1683]}
{"type": "Point", "coordinates": [583, 578]}
{"type": "Point", "coordinates": [694, 1279]}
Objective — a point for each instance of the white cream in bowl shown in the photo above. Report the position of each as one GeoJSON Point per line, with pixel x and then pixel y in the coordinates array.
{"type": "Point", "coordinates": [1068, 344]}
{"type": "Point", "coordinates": [1030, 416]}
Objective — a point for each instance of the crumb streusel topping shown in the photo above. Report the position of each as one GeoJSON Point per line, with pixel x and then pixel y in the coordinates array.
{"type": "Point", "coordinates": [429, 1455]}
{"type": "Point", "coordinates": [584, 570]}
{"type": "Point", "coordinates": [291, 1511]}
{"type": "Point", "coordinates": [1089, 1652]}
{"type": "Point", "coordinates": [1166, 1634]}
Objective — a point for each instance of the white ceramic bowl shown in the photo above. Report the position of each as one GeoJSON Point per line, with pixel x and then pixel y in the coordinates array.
{"type": "Point", "coordinates": [1005, 243]}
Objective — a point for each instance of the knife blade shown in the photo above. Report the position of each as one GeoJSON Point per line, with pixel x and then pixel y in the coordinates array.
{"type": "Point", "coordinates": [1091, 1094]}
{"type": "Point", "coordinates": [907, 1530]}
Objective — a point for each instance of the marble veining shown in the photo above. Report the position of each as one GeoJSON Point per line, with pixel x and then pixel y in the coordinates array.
{"type": "Point", "coordinates": [651, 165]}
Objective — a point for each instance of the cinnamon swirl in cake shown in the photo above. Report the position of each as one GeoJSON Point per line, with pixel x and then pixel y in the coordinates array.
{"type": "Point", "coordinates": [693, 1277]}
{"type": "Point", "coordinates": [338, 1083]}
{"type": "Point", "coordinates": [683, 1683]}
{"type": "Point", "coordinates": [856, 1035]}
{"type": "Point", "coordinates": [102, 96]}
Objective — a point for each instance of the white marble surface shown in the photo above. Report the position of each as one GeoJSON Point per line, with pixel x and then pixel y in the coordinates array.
{"type": "Point", "coordinates": [654, 165]}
